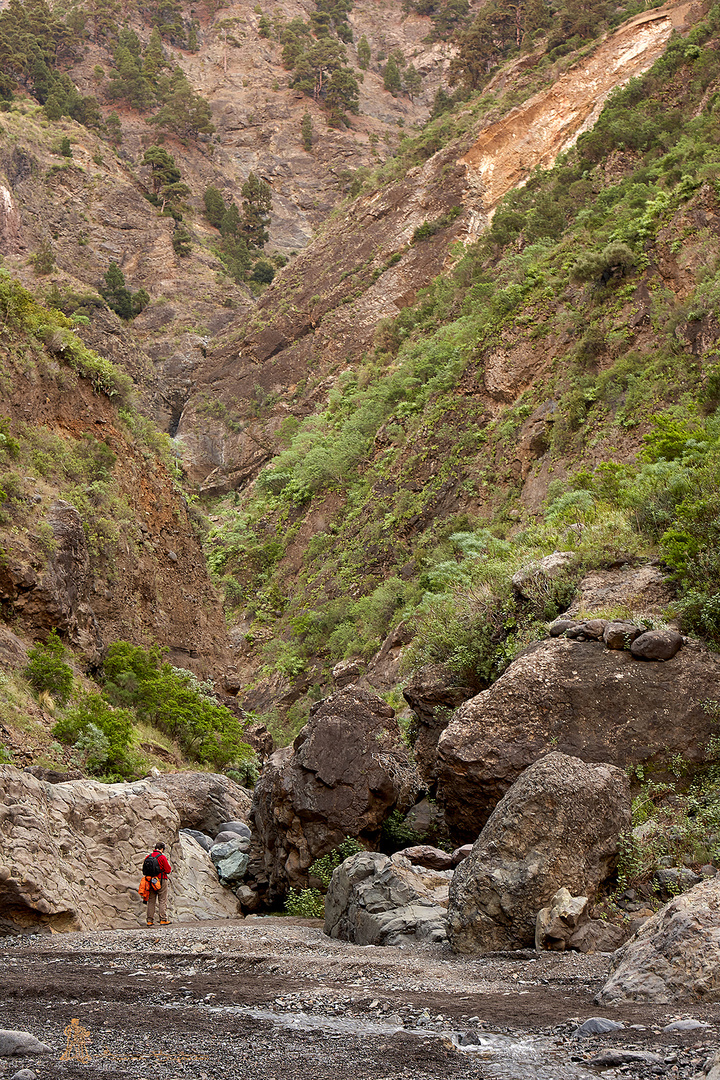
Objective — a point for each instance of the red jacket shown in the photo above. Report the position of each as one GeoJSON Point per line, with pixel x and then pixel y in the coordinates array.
{"type": "Point", "coordinates": [165, 867]}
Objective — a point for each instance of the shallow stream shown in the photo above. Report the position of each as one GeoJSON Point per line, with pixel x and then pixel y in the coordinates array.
{"type": "Point", "coordinates": [505, 1057]}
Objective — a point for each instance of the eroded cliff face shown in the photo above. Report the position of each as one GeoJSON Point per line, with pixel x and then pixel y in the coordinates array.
{"type": "Point", "coordinates": [323, 311]}
{"type": "Point", "coordinates": [96, 540]}
{"type": "Point", "coordinates": [550, 122]}
{"type": "Point", "coordinates": [92, 209]}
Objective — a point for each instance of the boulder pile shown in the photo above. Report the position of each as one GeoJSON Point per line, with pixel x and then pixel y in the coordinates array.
{"type": "Point", "coordinates": [583, 699]}
{"type": "Point", "coordinates": [557, 827]}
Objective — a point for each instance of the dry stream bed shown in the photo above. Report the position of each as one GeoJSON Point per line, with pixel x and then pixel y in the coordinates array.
{"type": "Point", "coordinates": [276, 999]}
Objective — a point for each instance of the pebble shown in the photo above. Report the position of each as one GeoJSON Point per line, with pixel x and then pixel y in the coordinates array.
{"type": "Point", "coordinates": [685, 1025]}
{"type": "Point", "coordinates": [597, 1025]}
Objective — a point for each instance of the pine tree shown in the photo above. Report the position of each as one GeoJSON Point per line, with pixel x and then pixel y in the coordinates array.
{"type": "Point", "coordinates": [391, 77]}
{"type": "Point", "coordinates": [181, 241]}
{"type": "Point", "coordinates": [116, 293]}
{"type": "Point", "coordinates": [306, 131]}
{"type": "Point", "coordinates": [364, 54]}
{"type": "Point", "coordinates": [165, 177]}
{"type": "Point", "coordinates": [230, 224]}
{"type": "Point", "coordinates": [154, 59]}
{"type": "Point", "coordinates": [257, 204]}
{"type": "Point", "coordinates": [114, 129]}
{"type": "Point", "coordinates": [343, 94]}
{"type": "Point", "coordinates": [184, 113]}
{"type": "Point", "coordinates": [412, 80]}
{"type": "Point", "coordinates": [214, 206]}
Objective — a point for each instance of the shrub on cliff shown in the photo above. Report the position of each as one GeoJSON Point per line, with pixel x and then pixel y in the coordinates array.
{"type": "Point", "coordinates": [48, 671]}
{"type": "Point", "coordinates": [176, 702]}
{"type": "Point", "coordinates": [101, 734]}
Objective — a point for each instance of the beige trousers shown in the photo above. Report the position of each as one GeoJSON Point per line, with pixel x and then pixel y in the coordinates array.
{"type": "Point", "coordinates": [161, 898]}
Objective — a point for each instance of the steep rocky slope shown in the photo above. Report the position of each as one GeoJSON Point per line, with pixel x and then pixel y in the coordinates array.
{"type": "Point", "coordinates": [96, 537]}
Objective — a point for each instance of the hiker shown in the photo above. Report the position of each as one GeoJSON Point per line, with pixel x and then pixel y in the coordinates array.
{"type": "Point", "coordinates": [164, 868]}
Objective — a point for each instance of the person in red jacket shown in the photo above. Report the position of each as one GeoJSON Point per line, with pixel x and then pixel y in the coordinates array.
{"type": "Point", "coordinates": [162, 895]}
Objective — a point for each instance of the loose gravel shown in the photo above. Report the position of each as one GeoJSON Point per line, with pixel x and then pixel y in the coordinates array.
{"type": "Point", "coordinates": [274, 998]}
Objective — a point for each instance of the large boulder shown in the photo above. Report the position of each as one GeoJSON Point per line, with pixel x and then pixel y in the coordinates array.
{"type": "Point", "coordinates": [674, 956]}
{"type": "Point", "coordinates": [71, 856]}
{"type": "Point", "coordinates": [557, 826]}
{"type": "Point", "coordinates": [433, 693]}
{"type": "Point", "coordinates": [583, 699]}
{"type": "Point", "coordinates": [346, 771]}
{"type": "Point", "coordinates": [376, 900]}
{"type": "Point", "coordinates": [204, 801]}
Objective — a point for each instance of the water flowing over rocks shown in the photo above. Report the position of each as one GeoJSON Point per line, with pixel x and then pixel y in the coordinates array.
{"type": "Point", "coordinates": [344, 774]}
{"type": "Point", "coordinates": [674, 956]}
{"type": "Point", "coordinates": [71, 855]}
{"type": "Point", "coordinates": [558, 826]}
{"type": "Point", "coordinates": [580, 698]}
{"type": "Point", "coordinates": [377, 900]}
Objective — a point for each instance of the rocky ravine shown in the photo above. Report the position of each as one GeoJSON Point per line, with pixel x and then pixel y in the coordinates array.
{"type": "Point", "coordinates": [323, 310]}
{"type": "Point", "coordinates": [276, 997]}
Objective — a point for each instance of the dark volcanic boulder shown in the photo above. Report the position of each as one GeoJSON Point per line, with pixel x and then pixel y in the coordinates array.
{"type": "Point", "coordinates": [346, 771]}
{"type": "Point", "coordinates": [674, 956]}
{"type": "Point", "coordinates": [583, 699]}
{"type": "Point", "coordinates": [656, 645]}
{"type": "Point", "coordinates": [557, 826]}
{"type": "Point", "coordinates": [432, 694]}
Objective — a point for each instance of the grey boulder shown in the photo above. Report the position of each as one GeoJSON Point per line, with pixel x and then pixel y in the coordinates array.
{"type": "Point", "coordinates": [558, 825]}
{"type": "Point", "coordinates": [376, 900]}
{"type": "Point", "coordinates": [238, 827]}
{"type": "Point", "coordinates": [17, 1043]}
{"type": "Point", "coordinates": [231, 859]}
{"type": "Point", "coordinates": [205, 841]}
{"type": "Point", "coordinates": [597, 1025]}
{"type": "Point", "coordinates": [674, 956]}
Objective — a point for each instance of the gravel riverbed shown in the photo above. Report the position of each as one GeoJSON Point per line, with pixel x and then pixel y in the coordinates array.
{"type": "Point", "coordinates": [274, 998]}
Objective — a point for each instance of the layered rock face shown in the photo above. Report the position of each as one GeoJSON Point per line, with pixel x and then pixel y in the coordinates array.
{"type": "Point", "coordinates": [376, 900]}
{"type": "Point", "coordinates": [204, 801]}
{"type": "Point", "coordinates": [557, 827]}
{"type": "Point", "coordinates": [346, 771]}
{"type": "Point", "coordinates": [580, 698]}
{"type": "Point", "coordinates": [71, 856]}
{"type": "Point", "coordinates": [674, 956]}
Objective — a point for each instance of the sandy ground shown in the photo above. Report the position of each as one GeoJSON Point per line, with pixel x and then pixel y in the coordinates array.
{"type": "Point", "coordinates": [276, 999]}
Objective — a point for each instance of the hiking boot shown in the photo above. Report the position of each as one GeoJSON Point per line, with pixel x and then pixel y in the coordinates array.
{"type": "Point", "coordinates": [149, 922]}
{"type": "Point", "coordinates": [165, 922]}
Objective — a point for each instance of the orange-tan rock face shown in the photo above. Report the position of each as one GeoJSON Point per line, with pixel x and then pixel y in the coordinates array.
{"type": "Point", "coordinates": [533, 135]}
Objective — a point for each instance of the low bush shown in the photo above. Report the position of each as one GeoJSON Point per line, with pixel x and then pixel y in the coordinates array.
{"type": "Point", "coordinates": [176, 702]}
{"type": "Point", "coordinates": [48, 671]}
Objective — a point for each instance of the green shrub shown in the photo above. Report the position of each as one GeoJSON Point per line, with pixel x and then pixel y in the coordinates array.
{"type": "Point", "coordinates": [101, 733]}
{"type": "Point", "coordinates": [176, 702]}
{"type": "Point", "coordinates": [47, 670]}
{"type": "Point", "coordinates": [684, 826]}
{"type": "Point", "coordinates": [306, 903]}
{"type": "Point", "coordinates": [322, 868]}
{"type": "Point", "coordinates": [5, 755]}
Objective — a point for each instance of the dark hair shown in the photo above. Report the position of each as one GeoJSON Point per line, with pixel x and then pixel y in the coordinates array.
{"type": "Point", "coordinates": [159, 846]}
